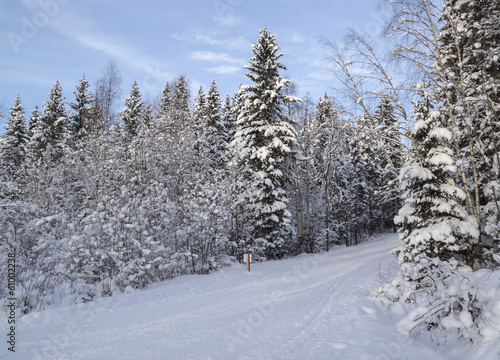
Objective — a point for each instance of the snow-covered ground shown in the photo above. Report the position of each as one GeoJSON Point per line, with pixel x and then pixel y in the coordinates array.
{"type": "Point", "coordinates": [309, 307]}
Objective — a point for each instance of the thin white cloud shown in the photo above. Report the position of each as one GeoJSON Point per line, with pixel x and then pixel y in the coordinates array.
{"type": "Point", "coordinates": [230, 65]}
{"type": "Point", "coordinates": [77, 29]}
{"type": "Point", "coordinates": [194, 37]}
{"type": "Point", "coordinates": [226, 69]}
{"type": "Point", "coordinates": [215, 57]}
{"type": "Point", "coordinates": [153, 70]}
{"type": "Point", "coordinates": [107, 46]}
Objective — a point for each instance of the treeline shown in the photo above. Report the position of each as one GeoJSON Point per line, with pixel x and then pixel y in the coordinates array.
{"type": "Point", "coordinates": [95, 202]}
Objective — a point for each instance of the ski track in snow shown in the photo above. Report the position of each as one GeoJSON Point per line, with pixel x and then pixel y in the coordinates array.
{"type": "Point", "coordinates": [308, 307]}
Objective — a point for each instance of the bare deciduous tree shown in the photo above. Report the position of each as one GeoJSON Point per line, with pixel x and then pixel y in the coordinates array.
{"type": "Point", "coordinates": [107, 93]}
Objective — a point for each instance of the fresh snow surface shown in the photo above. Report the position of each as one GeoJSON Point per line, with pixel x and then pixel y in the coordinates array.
{"type": "Point", "coordinates": [308, 307]}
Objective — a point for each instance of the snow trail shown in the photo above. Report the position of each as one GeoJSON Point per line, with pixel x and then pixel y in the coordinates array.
{"type": "Point", "coordinates": [309, 307]}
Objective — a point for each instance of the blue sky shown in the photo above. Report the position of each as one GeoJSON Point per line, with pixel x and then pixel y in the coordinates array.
{"type": "Point", "coordinates": [156, 41]}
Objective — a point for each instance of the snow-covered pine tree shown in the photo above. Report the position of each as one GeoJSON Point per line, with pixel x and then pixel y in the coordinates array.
{"type": "Point", "coordinates": [235, 109]}
{"type": "Point", "coordinates": [131, 114]}
{"type": "Point", "coordinates": [148, 115]}
{"type": "Point", "coordinates": [384, 112]}
{"type": "Point", "coordinates": [165, 112]}
{"type": "Point", "coordinates": [437, 234]}
{"type": "Point", "coordinates": [166, 99]}
{"type": "Point", "coordinates": [47, 148]}
{"type": "Point", "coordinates": [433, 223]}
{"type": "Point", "coordinates": [35, 116]}
{"type": "Point", "coordinates": [37, 142]}
{"type": "Point", "coordinates": [41, 166]}
{"type": "Point", "coordinates": [180, 104]}
{"type": "Point", "coordinates": [44, 166]}
{"type": "Point", "coordinates": [81, 107]}
{"type": "Point", "coordinates": [228, 121]}
{"type": "Point", "coordinates": [264, 140]}
{"type": "Point", "coordinates": [55, 115]}
{"type": "Point", "coordinates": [200, 120]}
{"type": "Point", "coordinates": [214, 108]}
{"type": "Point", "coordinates": [13, 144]}
{"type": "Point", "coordinates": [215, 130]}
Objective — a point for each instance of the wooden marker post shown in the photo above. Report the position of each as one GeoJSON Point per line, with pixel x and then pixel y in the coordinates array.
{"type": "Point", "coordinates": [248, 259]}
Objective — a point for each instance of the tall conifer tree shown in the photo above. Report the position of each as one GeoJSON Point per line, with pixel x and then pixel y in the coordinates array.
{"type": "Point", "coordinates": [264, 140]}
{"type": "Point", "coordinates": [132, 113]}
{"type": "Point", "coordinates": [13, 142]}
{"type": "Point", "coordinates": [81, 107]}
{"type": "Point", "coordinates": [433, 223]}
{"type": "Point", "coordinates": [55, 115]}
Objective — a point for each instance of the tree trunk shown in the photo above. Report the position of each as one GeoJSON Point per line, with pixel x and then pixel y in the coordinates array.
{"type": "Point", "coordinates": [298, 204]}
{"type": "Point", "coordinates": [327, 215]}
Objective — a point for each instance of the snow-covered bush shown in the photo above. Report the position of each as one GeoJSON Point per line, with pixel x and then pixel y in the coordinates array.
{"type": "Point", "coordinates": [442, 299]}
{"type": "Point", "coordinates": [444, 302]}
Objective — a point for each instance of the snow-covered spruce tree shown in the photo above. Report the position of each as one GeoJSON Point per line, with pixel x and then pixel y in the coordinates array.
{"type": "Point", "coordinates": [80, 126]}
{"type": "Point", "coordinates": [131, 115]}
{"type": "Point", "coordinates": [200, 120]}
{"type": "Point", "coordinates": [180, 103]}
{"type": "Point", "coordinates": [214, 107]}
{"type": "Point", "coordinates": [165, 123]}
{"type": "Point", "coordinates": [35, 116]}
{"type": "Point", "coordinates": [166, 99]}
{"type": "Point", "coordinates": [148, 115]}
{"type": "Point", "coordinates": [228, 121]}
{"type": "Point", "coordinates": [13, 144]}
{"type": "Point", "coordinates": [263, 142]}
{"type": "Point", "coordinates": [384, 112]}
{"type": "Point", "coordinates": [366, 154]}
{"type": "Point", "coordinates": [81, 107]}
{"type": "Point", "coordinates": [55, 116]}
{"type": "Point", "coordinates": [46, 149]}
{"type": "Point", "coordinates": [34, 161]}
{"type": "Point", "coordinates": [437, 233]}
{"type": "Point", "coordinates": [215, 131]}
{"type": "Point", "coordinates": [432, 220]}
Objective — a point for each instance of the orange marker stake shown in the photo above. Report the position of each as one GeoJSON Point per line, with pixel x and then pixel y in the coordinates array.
{"type": "Point", "coordinates": [248, 258]}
